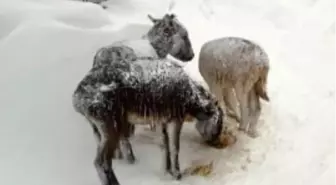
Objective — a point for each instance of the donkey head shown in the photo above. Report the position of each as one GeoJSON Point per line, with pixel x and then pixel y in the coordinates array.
{"type": "Point", "coordinates": [208, 113]}
{"type": "Point", "coordinates": [211, 128]}
{"type": "Point", "coordinates": [169, 36]}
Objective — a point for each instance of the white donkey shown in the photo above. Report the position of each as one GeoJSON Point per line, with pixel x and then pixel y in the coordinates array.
{"type": "Point", "coordinates": [233, 63]}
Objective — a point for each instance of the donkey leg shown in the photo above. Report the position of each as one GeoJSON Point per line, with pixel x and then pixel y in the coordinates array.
{"type": "Point", "coordinates": [255, 108]}
{"type": "Point", "coordinates": [95, 132]}
{"type": "Point", "coordinates": [129, 151]}
{"type": "Point", "coordinates": [218, 92]}
{"type": "Point", "coordinates": [231, 103]}
{"type": "Point", "coordinates": [165, 138]}
{"type": "Point", "coordinates": [175, 171]}
{"type": "Point", "coordinates": [152, 126]}
{"type": "Point", "coordinates": [244, 110]}
{"type": "Point", "coordinates": [127, 148]}
{"type": "Point", "coordinates": [117, 152]}
{"type": "Point", "coordinates": [127, 130]}
{"type": "Point", "coordinates": [103, 160]}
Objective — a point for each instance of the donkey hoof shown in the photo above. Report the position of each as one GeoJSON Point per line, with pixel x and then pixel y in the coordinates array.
{"type": "Point", "coordinates": [252, 133]}
{"type": "Point", "coordinates": [177, 175]}
{"type": "Point", "coordinates": [242, 129]}
{"type": "Point", "coordinates": [131, 159]}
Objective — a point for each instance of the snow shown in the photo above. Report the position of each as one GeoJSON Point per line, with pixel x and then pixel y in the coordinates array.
{"type": "Point", "coordinates": [47, 46]}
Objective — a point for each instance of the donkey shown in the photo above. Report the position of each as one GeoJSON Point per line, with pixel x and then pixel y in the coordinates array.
{"type": "Point", "coordinates": [235, 64]}
{"type": "Point", "coordinates": [114, 97]}
{"type": "Point", "coordinates": [167, 36]}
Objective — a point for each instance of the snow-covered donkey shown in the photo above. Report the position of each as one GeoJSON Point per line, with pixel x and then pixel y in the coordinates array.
{"type": "Point", "coordinates": [114, 97]}
{"type": "Point", "coordinates": [234, 64]}
{"type": "Point", "coordinates": [167, 36]}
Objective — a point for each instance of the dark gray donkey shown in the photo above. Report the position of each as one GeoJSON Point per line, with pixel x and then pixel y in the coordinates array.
{"type": "Point", "coordinates": [114, 97]}
{"type": "Point", "coordinates": [167, 36]}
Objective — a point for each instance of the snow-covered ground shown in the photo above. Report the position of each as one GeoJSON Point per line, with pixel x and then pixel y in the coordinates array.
{"type": "Point", "coordinates": [47, 46]}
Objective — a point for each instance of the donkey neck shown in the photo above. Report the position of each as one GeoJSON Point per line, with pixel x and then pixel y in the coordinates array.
{"type": "Point", "coordinates": [161, 44]}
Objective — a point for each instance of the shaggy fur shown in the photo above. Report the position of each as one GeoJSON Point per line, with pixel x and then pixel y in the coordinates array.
{"type": "Point", "coordinates": [233, 63]}
{"type": "Point", "coordinates": [167, 36]}
{"type": "Point", "coordinates": [117, 53]}
{"type": "Point", "coordinates": [115, 96]}
{"type": "Point", "coordinates": [208, 129]}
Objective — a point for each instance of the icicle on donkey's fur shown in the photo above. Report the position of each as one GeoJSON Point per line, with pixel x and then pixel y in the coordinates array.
{"type": "Point", "coordinates": [167, 36]}
{"type": "Point", "coordinates": [233, 64]}
{"type": "Point", "coordinates": [116, 96]}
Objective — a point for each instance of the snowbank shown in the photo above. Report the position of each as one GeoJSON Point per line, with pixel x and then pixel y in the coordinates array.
{"type": "Point", "coordinates": [72, 13]}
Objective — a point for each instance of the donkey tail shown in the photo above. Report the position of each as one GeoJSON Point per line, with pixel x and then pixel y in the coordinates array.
{"type": "Point", "coordinates": [261, 84]}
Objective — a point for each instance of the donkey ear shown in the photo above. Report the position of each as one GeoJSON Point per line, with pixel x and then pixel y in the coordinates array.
{"type": "Point", "coordinates": [150, 17]}
{"type": "Point", "coordinates": [172, 16]}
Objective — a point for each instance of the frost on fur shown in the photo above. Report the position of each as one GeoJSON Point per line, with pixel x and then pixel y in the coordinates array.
{"type": "Point", "coordinates": [116, 96]}
{"type": "Point", "coordinates": [167, 36]}
{"type": "Point", "coordinates": [235, 65]}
